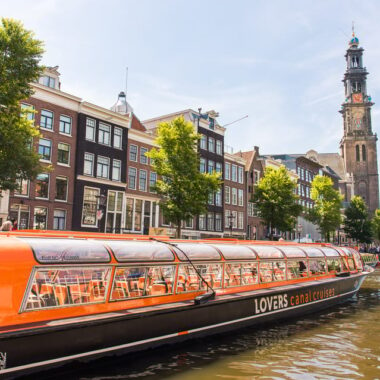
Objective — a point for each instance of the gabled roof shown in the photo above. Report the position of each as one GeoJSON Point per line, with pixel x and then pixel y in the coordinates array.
{"type": "Point", "coordinates": [334, 161]}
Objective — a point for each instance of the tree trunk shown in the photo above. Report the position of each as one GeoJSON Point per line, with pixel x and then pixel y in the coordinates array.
{"type": "Point", "coordinates": [178, 229]}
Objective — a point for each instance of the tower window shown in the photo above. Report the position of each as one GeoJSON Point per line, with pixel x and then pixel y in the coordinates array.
{"type": "Point", "coordinates": [357, 153]}
{"type": "Point", "coordinates": [364, 153]}
{"type": "Point", "coordinates": [356, 87]}
{"type": "Point", "coordinates": [355, 61]}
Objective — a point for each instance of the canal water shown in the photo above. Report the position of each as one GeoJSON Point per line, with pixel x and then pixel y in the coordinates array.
{"type": "Point", "coordinates": [339, 343]}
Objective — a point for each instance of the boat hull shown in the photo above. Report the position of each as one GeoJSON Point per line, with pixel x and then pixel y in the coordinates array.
{"type": "Point", "coordinates": [58, 342]}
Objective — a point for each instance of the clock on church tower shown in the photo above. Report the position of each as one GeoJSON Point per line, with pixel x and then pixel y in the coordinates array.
{"type": "Point", "coordinates": [358, 145]}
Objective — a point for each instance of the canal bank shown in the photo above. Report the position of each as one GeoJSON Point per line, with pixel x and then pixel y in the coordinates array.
{"type": "Point", "coordinates": [339, 343]}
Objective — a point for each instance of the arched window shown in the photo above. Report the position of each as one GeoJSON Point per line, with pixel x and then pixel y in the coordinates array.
{"type": "Point", "coordinates": [357, 153]}
{"type": "Point", "coordinates": [364, 153]}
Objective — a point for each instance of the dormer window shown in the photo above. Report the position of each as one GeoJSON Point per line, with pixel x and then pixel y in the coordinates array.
{"type": "Point", "coordinates": [48, 81]}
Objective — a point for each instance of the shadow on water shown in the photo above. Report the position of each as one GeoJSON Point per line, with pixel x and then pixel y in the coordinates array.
{"type": "Point", "coordinates": [338, 343]}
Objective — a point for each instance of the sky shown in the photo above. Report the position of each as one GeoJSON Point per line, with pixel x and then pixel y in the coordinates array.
{"type": "Point", "coordinates": [279, 62]}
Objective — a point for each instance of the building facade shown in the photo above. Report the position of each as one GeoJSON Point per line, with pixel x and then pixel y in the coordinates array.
{"type": "Point", "coordinates": [47, 202]}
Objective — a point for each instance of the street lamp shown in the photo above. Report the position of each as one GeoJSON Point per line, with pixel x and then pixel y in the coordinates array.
{"type": "Point", "coordinates": [102, 198]}
{"type": "Point", "coordinates": [299, 231]}
{"type": "Point", "coordinates": [230, 219]}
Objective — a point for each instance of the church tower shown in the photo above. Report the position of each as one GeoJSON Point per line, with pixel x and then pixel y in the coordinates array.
{"type": "Point", "coordinates": [358, 145]}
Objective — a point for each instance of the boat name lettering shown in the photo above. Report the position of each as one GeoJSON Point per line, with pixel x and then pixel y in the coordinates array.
{"type": "Point", "coordinates": [3, 360]}
{"type": "Point", "coordinates": [311, 296]}
{"type": "Point", "coordinates": [264, 304]}
{"type": "Point", "coordinates": [59, 258]}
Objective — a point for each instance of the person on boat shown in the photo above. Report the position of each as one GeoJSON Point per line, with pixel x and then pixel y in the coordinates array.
{"type": "Point", "coordinates": [7, 225]}
{"type": "Point", "coordinates": [302, 267]}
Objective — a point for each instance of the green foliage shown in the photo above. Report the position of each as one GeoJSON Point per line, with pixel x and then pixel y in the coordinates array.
{"type": "Point", "coordinates": [20, 54]}
{"type": "Point", "coordinates": [357, 224]}
{"type": "Point", "coordinates": [184, 189]}
{"type": "Point", "coordinates": [327, 203]}
{"type": "Point", "coordinates": [376, 225]}
{"type": "Point", "coordinates": [276, 201]}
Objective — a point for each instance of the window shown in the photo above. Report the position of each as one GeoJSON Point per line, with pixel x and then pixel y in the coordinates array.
{"type": "Point", "coordinates": [27, 111]}
{"type": "Point", "coordinates": [63, 153]}
{"type": "Point", "coordinates": [88, 168]}
{"type": "Point", "coordinates": [251, 208]}
{"type": "Point", "coordinates": [151, 281]}
{"type": "Point", "coordinates": [90, 129]}
{"type": "Point", "coordinates": [234, 219]}
{"type": "Point", "coordinates": [272, 271]}
{"type": "Point", "coordinates": [203, 142]}
{"type": "Point", "coordinates": [211, 198]}
{"type": "Point", "coordinates": [234, 173]}
{"type": "Point", "coordinates": [240, 197]}
{"type": "Point", "coordinates": [219, 147]}
{"type": "Point", "coordinates": [117, 137]}
{"type": "Point", "coordinates": [364, 153]}
{"type": "Point", "coordinates": [202, 165]}
{"type": "Point", "coordinates": [61, 186]}
{"type": "Point", "coordinates": [42, 186]}
{"type": "Point", "coordinates": [218, 167]}
{"type": "Point", "coordinates": [104, 134]}
{"type": "Point", "coordinates": [133, 153]}
{"type": "Point", "coordinates": [234, 196]}
{"type": "Point", "coordinates": [227, 219]}
{"type": "Point", "coordinates": [210, 221]}
{"type": "Point", "coordinates": [152, 181]}
{"type": "Point", "coordinates": [227, 171]}
{"type": "Point", "coordinates": [114, 211]}
{"type": "Point", "coordinates": [90, 206]}
{"type": "Point", "coordinates": [44, 149]}
{"type": "Point", "coordinates": [116, 170]}
{"type": "Point", "coordinates": [143, 157]}
{"type": "Point", "coordinates": [211, 144]}
{"type": "Point", "coordinates": [65, 124]}
{"type": "Point", "coordinates": [211, 166]}
{"type": "Point", "coordinates": [103, 167]}
{"type": "Point", "coordinates": [59, 221]}
{"type": "Point", "coordinates": [240, 174]}
{"type": "Point", "coordinates": [48, 81]}
{"type": "Point", "coordinates": [62, 287]}
{"type": "Point", "coordinates": [40, 218]}
{"type": "Point", "coordinates": [202, 222]}
{"type": "Point", "coordinates": [218, 198]}
{"type": "Point", "coordinates": [257, 177]}
{"type": "Point", "coordinates": [142, 180]}
{"type": "Point", "coordinates": [240, 220]}
{"type": "Point", "coordinates": [227, 194]}
{"type": "Point", "coordinates": [240, 274]}
{"type": "Point", "coordinates": [218, 222]}
{"type": "Point", "coordinates": [22, 187]}
{"type": "Point", "coordinates": [132, 178]}
{"type": "Point", "coordinates": [46, 119]}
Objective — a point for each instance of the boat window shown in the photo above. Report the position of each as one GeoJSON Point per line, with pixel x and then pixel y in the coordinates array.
{"type": "Point", "coordinates": [197, 252]}
{"type": "Point", "coordinates": [267, 251]}
{"type": "Point", "coordinates": [140, 251]}
{"type": "Point", "coordinates": [142, 281]}
{"type": "Point", "coordinates": [351, 263]}
{"type": "Point", "coordinates": [50, 250]}
{"type": "Point", "coordinates": [346, 251]}
{"type": "Point", "coordinates": [344, 265]}
{"type": "Point", "coordinates": [357, 259]}
{"type": "Point", "coordinates": [334, 265]}
{"type": "Point", "coordinates": [330, 252]}
{"type": "Point", "coordinates": [317, 267]}
{"type": "Point", "coordinates": [240, 274]}
{"type": "Point", "coordinates": [313, 252]}
{"type": "Point", "coordinates": [57, 287]}
{"type": "Point", "coordinates": [189, 280]}
{"type": "Point", "coordinates": [292, 251]}
{"type": "Point", "coordinates": [235, 251]}
{"type": "Point", "coordinates": [272, 271]}
{"type": "Point", "coordinates": [297, 269]}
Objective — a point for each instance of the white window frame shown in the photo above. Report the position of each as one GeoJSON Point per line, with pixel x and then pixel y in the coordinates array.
{"type": "Point", "coordinates": [90, 126]}
{"type": "Point", "coordinates": [227, 195]}
{"type": "Point", "coordinates": [129, 182]}
{"type": "Point", "coordinates": [102, 133]}
{"type": "Point", "coordinates": [141, 171]}
{"type": "Point", "coordinates": [240, 197]}
{"type": "Point", "coordinates": [142, 156]}
{"type": "Point", "coordinates": [67, 188]}
{"type": "Point", "coordinates": [137, 152]}
{"type": "Point", "coordinates": [227, 171]}
{"type": "Point", "coordinates": [116, 131]}
{"type": "Point", "coordinates": [71, 125]}
{"type": "Point", "coordinates": [118, 170]}
{"type": "Point", "coordinates": [103, 164]}
{"type": "Point", "coordinates": [234, 196]}
{"type": "Point", "coordinates": [234, 173]}
{"type": "Point", "coordinates": [52, 120]}
{"type": "Point", "coordinates": [219, 147]}
{"type": "Point", "coordinates": [48, 192]}
{"type": "Point", "coordinates": [51, 149]}
{"type": "Point", "coordinates": [62, 163]}
{"type": "Point", "coordinates": [92, 164]}
{"type": "Point", "coordinates": [65, 219]}
{"type": "Point", "coordinates": [240, 174]}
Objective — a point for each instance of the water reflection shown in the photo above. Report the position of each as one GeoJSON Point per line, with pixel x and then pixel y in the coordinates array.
{"type": "Point", "coordinates": [340, 343]}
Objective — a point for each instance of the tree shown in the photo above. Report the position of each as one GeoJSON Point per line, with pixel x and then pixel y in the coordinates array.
{"type": "Point", "coordinates": [357, 224]}
{"type": "Point", "coordinates": [276, 200]}
{"type": "Point", "coordinates": [20, 54]}
{"type": "Point", "coordinates": [376, 225]}
{"type": "Point", "coordinates": [327, 203]}
{"type": "Point", "coordinates": [184, 189]}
